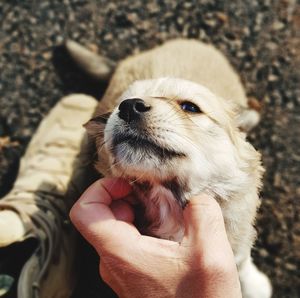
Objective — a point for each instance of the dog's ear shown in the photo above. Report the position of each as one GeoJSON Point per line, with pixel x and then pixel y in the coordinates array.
{"type": "Point", "coordinates": [95, 126]}
{"type": "Point", "coordinates": [247, 119]}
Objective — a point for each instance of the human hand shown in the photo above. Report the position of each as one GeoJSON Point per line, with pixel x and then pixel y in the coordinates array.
{"type": "Point", "coordinates": [135, 266]}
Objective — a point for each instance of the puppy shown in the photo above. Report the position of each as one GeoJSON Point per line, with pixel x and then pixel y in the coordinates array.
{"type": "Point", "coordinates": [173, 122]}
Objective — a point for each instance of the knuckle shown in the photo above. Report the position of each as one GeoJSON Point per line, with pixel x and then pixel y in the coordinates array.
{"type": "Point", "coordinates": [73, 214]}
{"type": "Point", "coordinates": [104, 273]}
{"type": "Point", "coordinates": [219, 268]}
{"type": "Point", "coordinates": [212, 265]}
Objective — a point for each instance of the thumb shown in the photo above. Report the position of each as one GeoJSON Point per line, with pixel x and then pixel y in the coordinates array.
{"type": "Point", "coordinates": [204, 223]}
{"type": "Point", "coordinates": [205, 237]}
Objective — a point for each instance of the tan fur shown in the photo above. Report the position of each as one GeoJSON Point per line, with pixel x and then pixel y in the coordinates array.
{"type": "Point", "coordinates": [186, 59]}
{"type": "Point", "coordinates": [219, 160]}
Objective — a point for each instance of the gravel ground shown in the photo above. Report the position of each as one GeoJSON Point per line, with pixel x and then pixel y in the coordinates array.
{"type": "Point", "coordinates": [258, 37]}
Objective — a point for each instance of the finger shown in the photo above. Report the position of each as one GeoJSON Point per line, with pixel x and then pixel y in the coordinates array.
{"type": "Point", "coordinates": [109, 188]}
{"type": "Point", "coordinates": [204, 223]}
{"type": "Point", "coordinates": [206, 238]}
{"type": "Point", "coordinates": [101, 193]}
{"type": "Point", "coordinates": [122, 211]}
{"type": "Point", "coordinates": [95, 220]}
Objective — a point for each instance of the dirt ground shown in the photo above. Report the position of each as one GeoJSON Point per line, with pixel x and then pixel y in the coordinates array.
{"type": "Point", "coordinates": [260, 39]}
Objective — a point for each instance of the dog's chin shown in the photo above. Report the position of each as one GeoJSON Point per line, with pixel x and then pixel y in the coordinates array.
{"type": "Point", "coordinates": [141, 157]}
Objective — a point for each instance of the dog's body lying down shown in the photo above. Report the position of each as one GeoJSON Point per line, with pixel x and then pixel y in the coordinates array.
{"type": "Point", "coordinates": [175, 115]}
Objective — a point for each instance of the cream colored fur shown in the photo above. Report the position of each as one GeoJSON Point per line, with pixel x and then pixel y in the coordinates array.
{"type": "Point", "coordinates": [218, 160]}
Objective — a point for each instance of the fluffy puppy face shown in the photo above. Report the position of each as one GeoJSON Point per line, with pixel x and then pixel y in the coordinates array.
{"type": "Point", "coordinates": [170, 128]}
{"type": "Point", "coordinates": [174, 139]}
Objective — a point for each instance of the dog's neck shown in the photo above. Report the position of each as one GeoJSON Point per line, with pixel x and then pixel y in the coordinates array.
{"type": "Point", "coordinates": [162, 204]}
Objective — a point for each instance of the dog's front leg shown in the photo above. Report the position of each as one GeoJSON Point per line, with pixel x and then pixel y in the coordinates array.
{"type": "Point", "coordinates": [254, 283]}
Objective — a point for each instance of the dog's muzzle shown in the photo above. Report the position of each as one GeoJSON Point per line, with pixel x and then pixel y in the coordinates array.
{"type": "Point", "coordinates": [134, 137]}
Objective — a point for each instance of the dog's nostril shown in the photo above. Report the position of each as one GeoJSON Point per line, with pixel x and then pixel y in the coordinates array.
{"type": "Point", "coordinates": [141, 106]}
{"type": "Point", "coordinates": [131, 109]}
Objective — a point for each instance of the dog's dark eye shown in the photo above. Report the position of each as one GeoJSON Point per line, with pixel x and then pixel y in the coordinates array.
{"type": "Point", "coordinates": [190, 107]}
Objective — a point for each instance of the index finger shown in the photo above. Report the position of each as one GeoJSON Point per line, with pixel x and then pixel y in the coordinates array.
{"type": "Point", "coordinates": [93, 217]}
{"type": "Point", "coordinates": [109, 188]}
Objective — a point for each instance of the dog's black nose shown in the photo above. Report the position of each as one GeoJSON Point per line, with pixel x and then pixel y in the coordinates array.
{"type": "Point", "coordinates": [132, 109]}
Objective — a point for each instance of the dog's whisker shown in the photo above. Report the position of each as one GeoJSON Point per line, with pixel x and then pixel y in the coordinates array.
{"type": "Point", "coordinates": [138, 179]}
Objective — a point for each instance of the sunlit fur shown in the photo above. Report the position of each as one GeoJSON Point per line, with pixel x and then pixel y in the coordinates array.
{"type": "Point", "coordinates": [217, 158]}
